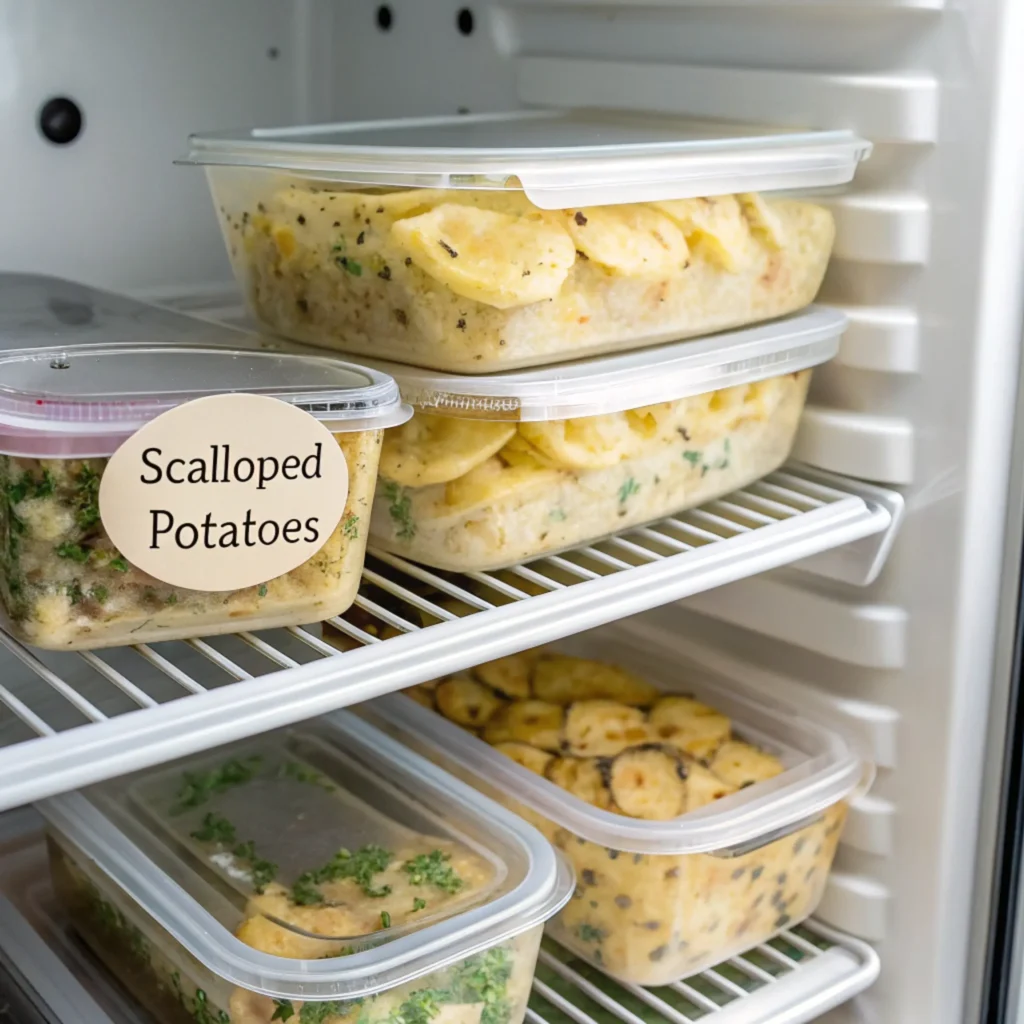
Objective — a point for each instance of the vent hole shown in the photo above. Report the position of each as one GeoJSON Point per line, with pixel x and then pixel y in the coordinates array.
{"type": "Point", "coordinates": [465, 21]}
{"type": "Point", "coordinates": [385, 19]}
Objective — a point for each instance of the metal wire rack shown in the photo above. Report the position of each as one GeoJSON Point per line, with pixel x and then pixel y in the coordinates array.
{"type": "Point", "coordinates": [69, 719]}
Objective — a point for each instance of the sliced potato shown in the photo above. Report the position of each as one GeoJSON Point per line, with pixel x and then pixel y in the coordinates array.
{"type": "Point", "coordinates": [527, 721]}
{"type": "Point", "coordinates": [689, 725]}
{"type": "Point", "coordinates": [499, 259]}
{"type": "Point", "coordinates": [648, 782]}
{"type": "Point", "coordinates": [432, 449]}
{"type": "Point", "coordinates": [466, 701]}
{"type": "Point", "coordinates": [765, 223]}
{"type": "Point", "coordinates": [510, 676]}
{"type": "Point", "coordinates": [702, 786]}
{"type": "Point", "coordinates": [563, 680]}
{"type": "Point", "coordinates": [519, 452]}
{"type": "Point", "coordinates": [584, 777]}
{"type": "Point", "coordinates": [493, 481]}
{"type": "Point", "coordinates": [632, 239]}
{"type": "Point", "coordinates": [602, 728]}
{"type": "Point", "coordinates": [742, 764]}
{"type": "Point", "coordinates": [529, 757]}
{"type": "Point", "coordinates": [588, 442]}
{"type": "Point", "coordinates": [422, 695]}
{"type": "Point", "coordinates": [714, 227]}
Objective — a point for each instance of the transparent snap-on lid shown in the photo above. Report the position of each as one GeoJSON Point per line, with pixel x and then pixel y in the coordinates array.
{"type": "Point", "coordinates": [37, 311]}
{"type": "Point", "coordinates": [87, 399]}
{"type": "Point", "coordinates": [558, 158]}
{"type": "Point", "coordinates": [821, 768]}
{"type": "Point", "coordinates": [358, 860]}
{"type": "Point", "coordinates": [607, 384]}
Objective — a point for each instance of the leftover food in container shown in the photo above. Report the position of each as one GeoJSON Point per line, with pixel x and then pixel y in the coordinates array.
{"type": "Point", "coordinates": [699, 821]}
{"type": "Point", "coordinates": [320, 876]}
{"type": "Point", "coordinates": [492, 471]}
{"type": "Point", "coordinates": [652, 232]}
{"type": "Point", "coordinates": [64, 584]}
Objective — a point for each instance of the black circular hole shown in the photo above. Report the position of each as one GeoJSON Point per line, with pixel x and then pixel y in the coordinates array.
{"type": "Point", "coordinates": [60, 120]}
{"type": "Point", "coordinates": [464, 20]}
{"type": "Point", "coordinates": [385, 19]}
{"type": "Point", "coordinates": [273, 52]}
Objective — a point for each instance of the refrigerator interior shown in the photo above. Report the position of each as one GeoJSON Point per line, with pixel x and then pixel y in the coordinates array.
{"type": "Point", "coordinates": [919, 402]}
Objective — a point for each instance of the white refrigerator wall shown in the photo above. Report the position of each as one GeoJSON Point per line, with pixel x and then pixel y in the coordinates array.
{"type": "Point", "coordinates": [929, 257]}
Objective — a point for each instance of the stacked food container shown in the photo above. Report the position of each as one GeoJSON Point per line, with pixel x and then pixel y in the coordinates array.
{"type": "Point", "coordinates": [542, 289]}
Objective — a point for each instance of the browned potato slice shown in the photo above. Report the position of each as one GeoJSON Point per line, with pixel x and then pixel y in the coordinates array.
{"type": "Point", "coordinates": [742, 764]}
{"type": "Point", "coordinates": [702, 786]}
{"type": "Point", "coordinates": [509, 676]}
{"type": "Point", "coordinates": [602, 728]}
{"type": "Point", "coordinates": [529, 757]}
{"type": "Point", "coordinates": [422, 695]}
{"type": "Point", "coordinates": [466, 701]}
{"type": "Point", "coordinates": [649, 782]}
{"type": "Point", "coordinates": [527, 721]}
{"type": "Point", "coordinates": [563, 680]}
{"type": "Point", "coordinates": [693, 727]}
{"type": "Point", "coordinates": [584, 777]}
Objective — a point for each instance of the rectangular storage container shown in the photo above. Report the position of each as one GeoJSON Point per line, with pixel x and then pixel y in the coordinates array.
{"type": "Point", "coordinates": [64, 411]}
{"type": "Point", "coordinates": [700, 819]}
{"type": "Point", "coordinates": [317, 875]}
{"type": "Point", "coordinates": [494, 470]}
{"type": "Point", "coordinates": [491, 242]}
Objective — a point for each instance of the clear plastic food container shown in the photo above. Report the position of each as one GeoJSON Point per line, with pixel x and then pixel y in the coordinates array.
{"type": "Point", "coordinates": [700, 819]}
{"type": "Point", "coordinates": [492, 242]}
{"type": "Point", "coordinates": [318, 875]}
{"type": "Point", "coordinates": [494, 470]}
{"type": "Point", "coordinates": [64, 412]}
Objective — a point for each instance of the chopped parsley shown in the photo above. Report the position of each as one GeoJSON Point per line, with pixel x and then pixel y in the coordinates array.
{"type": "Point", "coordinates": [360, 866]}
{"type": "Point", "coordinates": [354, 267]}
{"type": "Point", "coordinates": [400, 510]}
{"type": "Point", "coordinates": [118, 564]}
{"type": "Point", "coordinates": [197, 787]}
{"type": "Point", "coordinates": [385, 919]}
{"type": "Point", "coordinates": [73, 552]}
{"type": "Point", "coordinates": [418, 904]}
{"type": "Point", "coordinates": [559, 515]}
{"type": "Point", "coordinates": [261, 871]}
{"type": "Point", "coordinates": [99, 593]}
{"type": "Point", "coordinates": [283, 1010]}
{"type": "Point", "coordinates": [87, 498]}
{"type": "Point", "coordinates": [692, 457]}
{"type": "Point", "coordinates": [350, 526]}
{"type": "Point", "coordinates": [627, 490]}
{"type": "Point", "coordinates": [262, 591]}
{"type": "Point", "coordinates": [588, 933]}
{"type": "Point", "coordinates": [214, 829]}
{"type": "Point", "coordinates": [433, 869]}
{"type": "Point", "coordinates": [300, 773]}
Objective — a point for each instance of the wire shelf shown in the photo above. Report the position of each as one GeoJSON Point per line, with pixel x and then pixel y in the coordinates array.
{"type": "Point", "coordinates": [70, 719]}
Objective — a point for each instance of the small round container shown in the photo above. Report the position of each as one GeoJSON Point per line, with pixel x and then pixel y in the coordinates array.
{"type": "Point", "coordinates": [65, 411]}
{"type": "Point", "coordinates": [491, 242]}
{"type": "Point", "coordinates": [495, 470]}
{"type": "Point", "coordinates": [322, 874]}
{"type": "Point", "coordinates": [656, 900]}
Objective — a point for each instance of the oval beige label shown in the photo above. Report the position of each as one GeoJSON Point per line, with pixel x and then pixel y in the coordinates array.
{"type": "Point", "coordinates": [224, 492]}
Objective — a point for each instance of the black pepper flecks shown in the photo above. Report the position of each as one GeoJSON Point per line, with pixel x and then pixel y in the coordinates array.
{"type": "Point", "coordinates": [756, 873]}
{"type": "Point", "coordinates": [408, 261]}
{"type": "Point", "coordinates": [738, 873]}
{"type": "Point", "coordinates": [580, 219]}
{"type": "Point", "coordinates": [301, 218]}
{"type": "Point", "coordinates": [361, 238]}
{"type": "Point", "coordinates": [623, 902]}
{"type": "Point", "coordinates": [588, 876]}
{"type": "Point", "coordinates": [526, 273]}
{"type": "Point", "coordinates": [672, 873]}
{"type": "Point", "coordinates": [380, 209]}
{"type": "Point", "coordinates": [337, 224]}
{"type": "Point", "coordinates": [582, 255]}
{"type": "Point", "coordinates": [448, 249]}
{"type": "Point", "coordinates": [657, 954]}
{"type": "Point", "coordinates": [385, 274]}
{"type": "Point", "coordinates": [612, 854]}
{"type": "Point", "coordinates": [460, 323]}
{"type": "Point", "coordinates": [401, 317]}
{"type": "Point", "coordinates": [303, 305]}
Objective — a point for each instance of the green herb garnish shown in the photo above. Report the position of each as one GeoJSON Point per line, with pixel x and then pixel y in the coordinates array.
{"type": "Point", "coordinates": [87, 498]}
{"type": "Point", "coordinates": [172, 598]}
{"type": "Point", "coordinates": [559, 515]}
{"type": "Point", "coordinates": [261, 871]}
{"type": "Point", "coordinates": [75, 592]}
{"type": "Point", "coordinates": [262, 590]}
{"type": "Point", "coordinates": [354, 267]}
{"type": "Point", "coordinates": [118, 564]}
{"type": "Point", "coordinates": [692, 457]}
{"type": "Point", "coordinates": [74, 552]}
{"type": "Point", "coordinates": [197, 787]}
{"type": "Point", "coordinates": [99, 593]}
{"type": "Point", "coordinates": [283, 1010]}
{"type": "Point", "coordinates": [350, 526]}
{"type": "Point", "coordinates": [317, 1013]}
{"type": "Point", "coordinates": [215, 829]}
{"type": "Point", "coordinates": [385, 919]}
{"type": "Point", "coordinates": [433, 869]}
{"type": "Point", "coordinates": [400, 510]}
{"type": "Point", "coordinates": [360, 866]}
{"type": "Point", "coordinates": [627, 490]}
{"type": "Point", "coordinates": [588, 933]}
{"type": "Point", "coordinates": [418, 904]}
{"type": "Point", "coordinates": [300, 773]}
